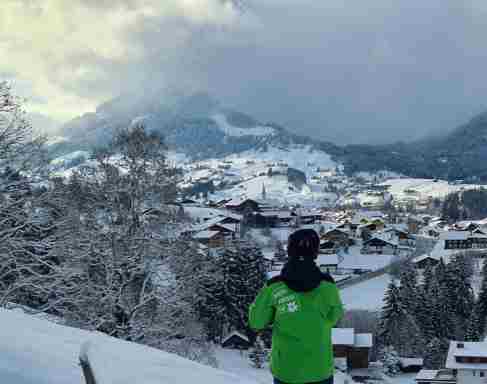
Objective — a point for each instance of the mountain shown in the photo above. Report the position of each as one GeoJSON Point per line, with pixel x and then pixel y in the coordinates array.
{"type": "Point", "coordinates": [459, 155]}
{"type": "Point", "coordinates": [200, 127]}
{"type": "Point", "coordinates": [194, 124]}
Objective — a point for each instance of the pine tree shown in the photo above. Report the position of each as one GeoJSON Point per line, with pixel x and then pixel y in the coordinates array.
{"type": "Point", "coordinates": [435, 354]}
{"type": "Point", "coordinates": [245, 276]}
{"type": "Point", "coordinates": [482, 299]}
{"type": "Point", "coordinates": [257, 354]}
{"type": "Point", "coordinates": [409, 288]}
{"type": "Point", "coordinates": [460, 294]}
{"type": "Point", "coordinates": [473, 331]}
{"type": "Point", "coordinates": [390, 361]}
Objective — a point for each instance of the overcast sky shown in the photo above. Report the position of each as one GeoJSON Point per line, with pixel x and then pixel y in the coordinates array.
{"type": "Point", "coordinates": [345, 70]}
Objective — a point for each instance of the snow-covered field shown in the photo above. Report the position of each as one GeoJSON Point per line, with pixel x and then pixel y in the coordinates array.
{"type": "Point", "coordinates": [367, 295]}
{"type": "Point", "coordinates": [405, 188]}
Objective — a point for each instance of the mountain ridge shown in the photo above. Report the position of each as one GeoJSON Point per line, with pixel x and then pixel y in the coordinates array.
{"type": "Point", "coordinates": [201, 127]}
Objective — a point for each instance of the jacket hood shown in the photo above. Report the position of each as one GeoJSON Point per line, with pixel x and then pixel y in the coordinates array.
{"type": "Point", "coordinates": [301, 275]}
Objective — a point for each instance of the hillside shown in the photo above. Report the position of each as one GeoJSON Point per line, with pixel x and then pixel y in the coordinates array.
{"type": "Point", "coordinates": [196, 125]}
{"type": "Point", "coordinates": [201, 128]}
{"type": "Point", "coordinates": [459, 155]}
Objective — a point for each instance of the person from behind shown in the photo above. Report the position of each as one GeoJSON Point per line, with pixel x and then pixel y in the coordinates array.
{"type": "Point", "coordinates": [303, 305]}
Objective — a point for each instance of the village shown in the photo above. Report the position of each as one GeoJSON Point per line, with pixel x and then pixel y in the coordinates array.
{"type": "Point", "coordinates": [361, 244]}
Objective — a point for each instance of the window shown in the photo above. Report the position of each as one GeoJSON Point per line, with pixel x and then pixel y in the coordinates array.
{"type": "Point", "coordinates": [482, 374]}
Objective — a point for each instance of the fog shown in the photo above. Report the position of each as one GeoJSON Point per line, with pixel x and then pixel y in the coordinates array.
{"type": "Point", "coordinates": [341, 70]}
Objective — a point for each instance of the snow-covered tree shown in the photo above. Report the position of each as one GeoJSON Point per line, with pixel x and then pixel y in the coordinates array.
{"type": "Point", "coordinates": [280, 253]}
{"type": "Point", "coordinates": [257, 354]}
{"type": "Point", "coordinates": [27, 209]}
{"type": "Point", "coordinates": [435, 354]}
{"type": "Point", "coordinates": [482, 299]}
{"type": "Point", "coordinates": [473, 331]}
{"type": "Point", "coordinates": [391, 364]}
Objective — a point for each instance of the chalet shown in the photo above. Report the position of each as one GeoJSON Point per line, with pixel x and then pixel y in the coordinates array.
{"type": "Point", "coordinates": [478, 241]}
{"type": "Point", "coordinates": [228, 230]}
{"type": "Point", "coordinates": [414, 224]}
{"type": "Point", "coordinates": [266, 219]}
{"type": "Point", "coordinates": [423, 261]}
{"type": "Point", "coordinates": [469, 361]}
{"type": "Point", "coordinates": [456, 240]}
{"type": "Point", "coordinates": [212, 239]}
{"type": "Point", "coordinates": [328, 247]}
{"type": "Point", "coordinates": [327, 263]}
{"type": "Point", "coordinates": [401, 234]}
{"type": "Point", "coordinates": [243, 205]}
{"type": "Point", "coordinates": [338, 236]}
{"type": "Point", "coordinates": [380, 246]}
{"type": "Point", "coordinates": [355, 347]}
{"type": "Point", "coordinates": [442, 376]}
{"type": "Point", "coordinates": [236, 340]}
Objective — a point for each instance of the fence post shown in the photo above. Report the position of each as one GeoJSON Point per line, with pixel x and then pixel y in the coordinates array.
{"type": "Point", "coordinates": [86, 366]}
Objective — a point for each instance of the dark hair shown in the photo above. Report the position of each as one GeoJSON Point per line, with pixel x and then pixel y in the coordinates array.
{"type": "Point", "coordinates": [303, 244]}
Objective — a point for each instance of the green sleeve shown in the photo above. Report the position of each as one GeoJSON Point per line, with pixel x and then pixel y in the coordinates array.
{"type": "Point", "coordinates": [261, 312]}
{"type": "Point", "coordinates": [336, 310]}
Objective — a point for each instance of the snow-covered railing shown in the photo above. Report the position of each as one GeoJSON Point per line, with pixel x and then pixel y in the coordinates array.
{"type": "Point", "coordinates": [86, 367]}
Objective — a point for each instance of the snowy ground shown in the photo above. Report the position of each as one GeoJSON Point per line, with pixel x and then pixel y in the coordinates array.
{"type": "Point", "coordinates": [237, 363]}
{"type": "Point", "coordinates": [366, 295]}
{"type": "Point", "coordinates": [36, 351]}
{"type": "Point", "coordinates": [423, 188]}
{"type": "Point", "coordinates": [355, 260]}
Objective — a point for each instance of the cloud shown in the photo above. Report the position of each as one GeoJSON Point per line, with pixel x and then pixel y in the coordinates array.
{"type": "Point", "coordinates": [335, 69]}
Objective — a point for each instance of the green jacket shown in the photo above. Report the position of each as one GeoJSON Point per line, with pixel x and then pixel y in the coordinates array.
{"type": "Point", "coordinates": [302, 350]}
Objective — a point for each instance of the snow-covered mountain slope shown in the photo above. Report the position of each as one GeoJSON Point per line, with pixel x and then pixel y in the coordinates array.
{"type": "Point", "coordinates": [36, 351]}
{"type": "Point", "coordinates": [231, 130]}
{"type": "Point", "coordinates": [287, 175]}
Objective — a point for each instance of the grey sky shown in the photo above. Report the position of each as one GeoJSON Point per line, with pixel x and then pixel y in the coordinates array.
{"type": "Point", "coordinates": [343, 70]}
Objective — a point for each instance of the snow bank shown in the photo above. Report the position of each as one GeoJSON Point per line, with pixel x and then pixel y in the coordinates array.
{"type": "Point", "coordinates": [36, 351]}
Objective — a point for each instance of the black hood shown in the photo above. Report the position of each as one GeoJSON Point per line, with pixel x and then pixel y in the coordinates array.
{"type": "Point", "coordinates": [302, 276]}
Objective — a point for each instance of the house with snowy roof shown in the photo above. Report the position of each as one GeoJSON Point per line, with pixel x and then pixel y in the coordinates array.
{"type": "Point", "coordinates": [426, 260]}
{"type": "Point", "coordinates": [380, 245]}
{"type": "Point", "coordinates": [468, 361]}
{"type": "Point", "coordinates": [236, 340]}
{"type": "Point", "coordinates": [354, 347]}
{"type": "Point", "coordinates": [433, 376]}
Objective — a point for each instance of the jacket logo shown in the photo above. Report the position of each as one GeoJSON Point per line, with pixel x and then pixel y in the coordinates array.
{"type": "Point", "coordinates": [292, 307]}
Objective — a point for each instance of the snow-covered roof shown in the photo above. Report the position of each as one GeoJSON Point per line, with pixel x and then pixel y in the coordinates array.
{"type": "Point", "coordinates": [427, 374]}
{"type": "Point", "coordinates": [455, 235]}
{"type": "Point", "coordinates": [343, 336]}
{"type": "Point", "coordinates": [382, 238]}
{"type": "Point", "coordinates": [235, 333]}
{"type": "Point", "coordinates": [470, 349]}
{"type": "Point", "coordinates": [411, 361]}
{"type": "Point", "coordinates": [205, 235]}
{"type": "Point", "coordinates": [424, 257]}
{"type": "Point", "coordinates": [347, 336]}
{"type": "Point", "coordinates": [363, 340]}
{"type": "Point", "coordinates": [327, 259]}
